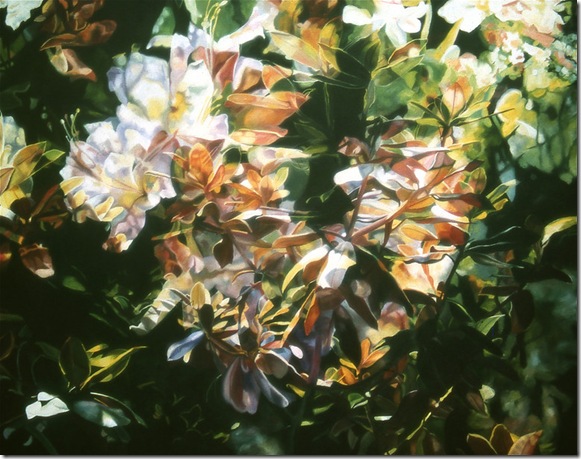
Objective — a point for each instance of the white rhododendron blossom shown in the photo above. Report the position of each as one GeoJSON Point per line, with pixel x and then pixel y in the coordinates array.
{"type": "Point", "coordinates": [174, 97]}
{"type": "Point", "coordinates": [18, 11]}
{"type": "Point", "coordinates": [541, 14]}
{"type": "Point", "coordinates": [470, 12]}
{"type": "Point", "coordinates": [397, 19]}
{"type": "Point", "coordinates": [114, 177]}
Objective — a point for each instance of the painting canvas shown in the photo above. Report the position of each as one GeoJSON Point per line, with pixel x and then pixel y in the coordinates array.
{"type": "Point", "coordinates": [288, 227]}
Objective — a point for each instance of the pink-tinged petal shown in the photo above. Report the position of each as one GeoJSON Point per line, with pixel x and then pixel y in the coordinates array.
{"type": "Point", "coordinates": [37, 259]}
{"type": "Point", "coordinates": [240, 388]}
{"type": "Point", "coordinates": [67, 63]}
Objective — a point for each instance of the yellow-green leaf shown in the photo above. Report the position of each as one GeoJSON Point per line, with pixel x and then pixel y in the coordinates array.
{"type": "Point", "coordinates": [557, 226]}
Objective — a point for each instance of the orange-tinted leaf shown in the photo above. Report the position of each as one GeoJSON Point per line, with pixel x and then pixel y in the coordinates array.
{"type": "Point", "coordinates": [450, 233]}
{"type": "Point", "coordinates": [418, 233]}
{"type": "Point", "coordinates": [313, 313]}
{"type": "Point", "coordinates": [526, 445]}
{"type": "Point", "coordinates": [216, 179]}
{"type": "Point", "coordinates": [295, 320]}
{"type": "Point", "coordinates": [373, 358]}
{"type": "Point", "coordinates": [255, 112]}
{"type": "Point", "coordinates": [200, 163]}
{"type": "Point", "coordinates": [95, 33]}
{"type": "Point", "coordinates": [258, 136]}
{"type": "Point", "coordinates": [272, 74]}
{"type": "Point", "coordinates": [294, 240]}
{"type": "Point", "coordinates": [5, 254]}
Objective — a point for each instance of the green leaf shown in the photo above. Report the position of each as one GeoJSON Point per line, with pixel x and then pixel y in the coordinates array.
{"type": "Point", "coordinates": [100, 414]}
{"type": "Point", "coordinates": [7, 317]}
{"type": "Point", "coordinates": [111, 365]}
{"type": "Point", "coordinates": [112, 402]}
{"type": "Point", "coordinates": [73, 283]}
{"type": "Point", "coordinates": [506, 240]}
{"type": "Point", "coordinates": [271, 287]}
{"type": "Point", "coordinates": [166, 22]}
{"type": "Point", "coordinates": [489, 260]}
{"type": "Point", "coordinates": [53, 155]}
{"type": "Point", "coordinates": [231, 16]}
{"type": "Point", "coordinates": [348, 64]}
{"type": "Point", "coordinates": [485, 325]}
{"type": "Point", "coordinates": [195, 13]}
{"type": "Point", "coordinates": [557, 226]}
{"type": "Point", "coordinates": [206, 317]}
{"type": "Point", "coordinates": [459, 312]}
{"type": "Point", "coordinates": [48, 350]}
{"type": "Point", "coordinates": [74, 361]}
{"type": "Point", "coordinates": [356, 400]}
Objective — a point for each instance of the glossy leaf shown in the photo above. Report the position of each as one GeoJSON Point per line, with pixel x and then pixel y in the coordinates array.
{"type": "Point", "coordinates": [74, 362]}
{"type": "Point", "coordinates": [100, 414]}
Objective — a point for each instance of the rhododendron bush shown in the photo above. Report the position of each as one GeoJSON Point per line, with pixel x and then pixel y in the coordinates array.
{"type": "Point", "coordinates": [288, 227]}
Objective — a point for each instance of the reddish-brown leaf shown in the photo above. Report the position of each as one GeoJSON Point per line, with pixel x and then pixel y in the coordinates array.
{"type": "Point", "coordinates": [501, 439]}
{"type": "Point", "coordinates": [480, 445]}
{"type": "Point", "coordinates": [224, 251]}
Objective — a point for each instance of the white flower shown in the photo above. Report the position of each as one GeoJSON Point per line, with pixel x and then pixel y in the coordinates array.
{"type": "Point", "coordinates": [46, 405]}
{"type": "Point", "coordinates": [116, 177]}
{"type": "Point", "coordinates": [397, 19]}
{"type": "Point", "coordinates": [174, 97]}
{"type": "Point", "coordinates": [18, 11]}
{"type": "Point", "coordinates": [470, 12]}
{"type": "Point", "coordinates": [542, 14]}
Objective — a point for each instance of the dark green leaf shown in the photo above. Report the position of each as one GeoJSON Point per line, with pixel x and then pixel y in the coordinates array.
{"type": "Point", "coordinates": [511, 238]}
{"type": "Point", "coordinates": [74, 362]}
{"type": "Point", "coordinates": [100, 414]}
